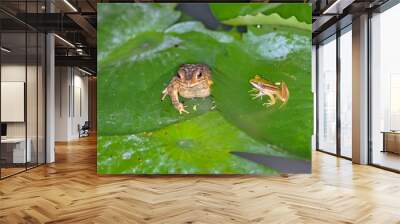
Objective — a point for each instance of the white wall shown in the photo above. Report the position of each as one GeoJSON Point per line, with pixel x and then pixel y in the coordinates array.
{"type": "Point", "coordinates": [9, 73]}
{"type": "Point", "coordinates": [13, 101]}
{"type": "Point", "coordinates": [62, 82]}
{"type": "Point", "coordinates": [80, 102]}
{"type": "Point", "coordinates": [71, 93]}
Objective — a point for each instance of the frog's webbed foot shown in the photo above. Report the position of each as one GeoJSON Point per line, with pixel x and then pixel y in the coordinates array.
{"type": "Point", "coordinates": [178, 105]}
{"type": "Point", "coordinates": [181, 108]}
{"type": "Point", "coordinates": [268, 104]}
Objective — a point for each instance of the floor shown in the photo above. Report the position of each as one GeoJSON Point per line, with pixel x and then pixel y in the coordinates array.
{"type": "Point", "coordinates": [70, 191]}
{"type": "Point", "coordinates": [10, 171]}
{"type": "Point", "coordinates": [387, 159]}
{"type": "Point", "coordinates": [5, 172]}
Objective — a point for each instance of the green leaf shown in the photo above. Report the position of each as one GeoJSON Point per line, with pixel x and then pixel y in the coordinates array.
{"type": "Point", "coordinates": [132, 78]}
{"type": "Point", "coordinates": [192, 26]}
{"type": "Point", "coordinates": [225, 11]}
{"type": "Point", "coordinates": [201, 145]}
{"type": "Point", "coordinates": [119, 22]}
{"type": "Point", "coordinates": [276, 43]}
{"type": "Point", "coordinates": [133, 73]}
{"type": "Point", "coordinates": [273, 20]}
{"type": "Point", "coordinates": [280, 57]}
{"type": "Point", "coordinates": [250, 14]}
{"type": "Point", "coordinates": [301, 11]}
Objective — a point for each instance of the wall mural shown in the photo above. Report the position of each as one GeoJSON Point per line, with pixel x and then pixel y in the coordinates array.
{"type": "Point", "coordinates": [206, 89]}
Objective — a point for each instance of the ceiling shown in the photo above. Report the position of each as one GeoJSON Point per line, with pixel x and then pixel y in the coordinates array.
{"type": "Point", "coordinates": [332, 15]}
{"type": "Point", "coordinates": [74, 22]}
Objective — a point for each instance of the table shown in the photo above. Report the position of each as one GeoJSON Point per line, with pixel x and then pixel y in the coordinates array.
{"type": "Point", "coordinates": [17, 150]}
{"type": "Point", "coordinates": [391, 141]}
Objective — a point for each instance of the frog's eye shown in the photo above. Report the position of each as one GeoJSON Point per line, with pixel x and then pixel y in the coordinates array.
{"type": "Point", "coordinates": [199, 75]}
{"type": "Point", "coordinates": [180, 75]}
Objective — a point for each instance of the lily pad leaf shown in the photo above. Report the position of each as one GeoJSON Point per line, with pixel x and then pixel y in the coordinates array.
{"type": "Point", "coordinates": [226, 11]}
{"type": "Point", "coordinates": [272, 19]}
{"type": "Point", "coordinates": [301, 11]}
{"type": "Point", "coordinates": [287, 126]}
{"type": "Point", "coordinates": [143, 46]}
{"type": "Point", "coordinates": [193, 26]}
{"type": "Point", "coordinates": [131, 82]}
{"type": "Point", "coordinates": [133, 73]}
{"type": "Point", "coordinates": [275, 44]}
{"type": "Point", "coordinates": [119, 22]}
{"type": "Point", "coordinates": [201, 145]}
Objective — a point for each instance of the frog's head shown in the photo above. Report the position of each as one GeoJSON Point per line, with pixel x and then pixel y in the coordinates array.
{"type": "Point", "coordinates": [258, 82]}
{"type": "Point", "coordinates": [193, 74]}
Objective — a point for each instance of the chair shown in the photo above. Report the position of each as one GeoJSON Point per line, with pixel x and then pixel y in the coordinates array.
{"type": "Point", "coordinates": [84, 130]}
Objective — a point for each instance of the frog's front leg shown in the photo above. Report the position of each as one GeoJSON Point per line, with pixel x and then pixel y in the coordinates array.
{"type": "Point", "coordinates": [253, 90]}
{"type": "Point", "coordinates": [175, 101]}
{"type": "Point", "coordinates": [257, 95]}
{"type": "Point", "coordinates": [165, 93]}
{"type": "Point", "coordinates": [172, 91]}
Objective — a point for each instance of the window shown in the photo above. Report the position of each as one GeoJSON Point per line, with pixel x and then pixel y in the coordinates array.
{"type": "Point", "coordinates": [385, 89]}
{"type": "Point", "coordinates": [346, 92]}
{"type": "Point", "coordinates": [22, 78]}
{"type": "Point", "coordinates": [327, 96]}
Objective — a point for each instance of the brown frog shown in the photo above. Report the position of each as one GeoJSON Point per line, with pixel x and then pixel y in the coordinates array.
{"type": "Point", "coordinates": [263, 87]}
{"type": "Point", "coordinates": [191, 80]}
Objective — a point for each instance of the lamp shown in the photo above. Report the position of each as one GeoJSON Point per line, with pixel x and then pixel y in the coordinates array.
{"type": "Point", "coordinates": [64, 40]}
{"type": "Point", "coordinates": [5, 50]}
{"type": "Point", "coordinates": [70, 5]}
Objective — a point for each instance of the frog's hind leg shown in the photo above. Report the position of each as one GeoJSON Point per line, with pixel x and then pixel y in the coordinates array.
{"type": "Point", "coordinates": [271, 102]}
{"type": "Point", "coordinates": [284, 94]}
